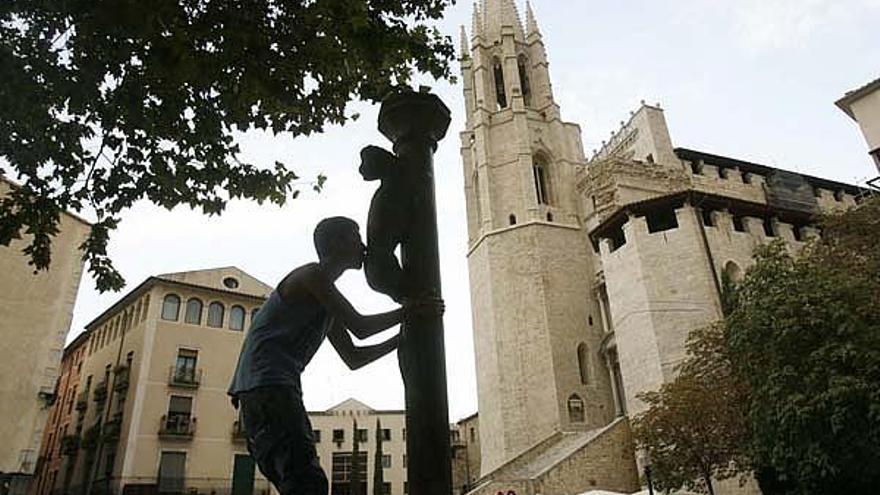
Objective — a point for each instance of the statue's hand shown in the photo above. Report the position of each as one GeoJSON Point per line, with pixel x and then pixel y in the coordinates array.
{"type": "Point", "coordinates": [423, 306]}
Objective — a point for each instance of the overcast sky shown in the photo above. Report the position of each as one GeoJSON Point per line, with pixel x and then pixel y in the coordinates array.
{"type": "Point", "coordinates": [750, 79]}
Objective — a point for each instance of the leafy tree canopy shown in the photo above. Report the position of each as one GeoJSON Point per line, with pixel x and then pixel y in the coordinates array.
{"type": "Point", "coordinates": [805, 331]}
{"type": "Point", "coordinates": [106, 103]}
{"type": "Point", "coordinates": [695, 426]}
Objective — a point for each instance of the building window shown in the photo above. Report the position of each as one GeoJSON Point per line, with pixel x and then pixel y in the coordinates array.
{"type": "Point", "coordinates": [472, 433]}
{"type": "Point", "coordinates": [512, 219]}
{"type": "Point", "coordinates": [539, 172]}
{"type": "Point", "coordinates": [215, 314]}
{"type": "Point", "coordinates": [146, 307]}
{"type": "Point", "coordinates": [386, 461]}
{"type": "Point", "coordinates": [697, 167]}
{"type": "Point", "coordinates": [522, 64]}
{"type": "Point", "coordinates": [230, 283]}
{"type": "Point", "coordinates": [838, 195]}
{"type": "Point", "coordinates": [708, 217]}
{"type": "Point", "coordinates": [236, 318]}
{"type": "Point", "coordinates": [185, 367]}
{"type": "Point", "coordinates": [661, 220]}
{"type": "Point", "coordinates": [338, 436]}
{"type": "Point", "coordinates": [583, 362]}
{"type": "Point", "coordinates": [316, 436]}
{"type": "Point", "coordinates": [344, 472]}
{"type": "Point", "coordinates": [739, 224]}
{"type": "Point", "coordinates": [179, 419]}
{"type": "Point", "coordinates": [590, 320]}
{"type": "Point", "coordinates": [172, 472]}
{"type": "Point", "coordinates": [361, 435]}
{"type": "Point", "coordinates": [575, 409]}
{"type": "Point", "coordinates": [769, 231]}
{"type": "Point", "coordinates": [549, 216]}
{"type": "Point", "coordinates": [170, 307]}
{"type": "Point", "coordinates": [193, 311]}
{"type": "Point", "coordinates": [722, 173]}
{"type": "Point", "coordinates": [500, 91]}
{"type": "Point", "coordinates": [386, 435]}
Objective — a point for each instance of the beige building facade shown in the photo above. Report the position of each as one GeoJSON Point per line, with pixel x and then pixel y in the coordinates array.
{"type": "Point", "coordinates": [146, 410]}
{"type": "Point", "coordinates": [36, 311]}
{"type": "Point", "coordinates": [587, 274]}
{"type": "Point", "coordinates": [863, 106]}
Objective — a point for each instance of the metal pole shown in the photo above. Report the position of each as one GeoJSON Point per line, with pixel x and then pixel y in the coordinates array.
{"type": "Point", "coordinates": [648, 480]}
{"type": "Point", "coordinates": [415, 122]}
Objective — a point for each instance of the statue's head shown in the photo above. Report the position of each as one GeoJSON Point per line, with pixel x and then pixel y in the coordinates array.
{"type": "Point", "coordinates": [338, 239]}
{"type": "Point", "coordinates": [377, 163]}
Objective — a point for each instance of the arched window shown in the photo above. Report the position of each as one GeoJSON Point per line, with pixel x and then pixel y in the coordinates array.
{"type": "Point", "coordinates": [512, 219]}
{"type": "Point", "coordinates": [236, 318]}
{"type": "Point", "coordinates": [522, 64]}
{"type": "Point", "coordinates": [542, 189]}
{"type": "Point", "coordinates": [215, 314]}
{"type": "Point", "coordinates": [170, 307]}
{"type": "Point", "coordinates": [137, 311]}
{"type": "Point", "coordinates": [193, 311]}
{"type": "Point", "coordinates": [584, 362]}
{"type": "Point", "coordinates": [146, 307]}
{"type": "Point", "coordinates": [733, 271]}
{"type": "Point", "coordinates": [500, 92]}
{"type": "Point", "coordinates": [575, 409]}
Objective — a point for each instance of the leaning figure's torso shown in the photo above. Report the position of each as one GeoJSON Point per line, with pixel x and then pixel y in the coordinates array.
{"type": "Point", "coordinates": [283, 337]}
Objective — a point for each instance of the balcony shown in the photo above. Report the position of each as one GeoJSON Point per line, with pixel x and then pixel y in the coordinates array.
{"type": "Point", "coordinates": [184, 378]}
{"type": "Point", "coordinates": [100, 394]}
{"type": "Point", "coordinates": [82, 401]}
{"type": "Point", "coordinates": [113, 427]}
{"type": "Point", "coordinates": [177, 427]}
{"type": "Point", "coordinates": [238, 433]}
{"type": "Point", "coordinates": [122, 378]}
{"type": "Point", "coordinates": [69, 445]}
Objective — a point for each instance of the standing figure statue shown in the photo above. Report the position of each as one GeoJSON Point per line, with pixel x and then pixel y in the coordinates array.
{"type": "Point", "coordinates": [283, 337]}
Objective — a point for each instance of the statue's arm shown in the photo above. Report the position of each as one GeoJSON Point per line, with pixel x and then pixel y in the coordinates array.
{"type": "Point", "coordinates": [356, 356]}
{"type": "Point", "coordinates": [362, 326]}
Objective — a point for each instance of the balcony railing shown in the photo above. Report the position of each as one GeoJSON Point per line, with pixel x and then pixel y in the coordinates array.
{"type": "Point", "coordinates": [82, 401]}
{"type": "Point", "coordinates": [113, 427]}
{"type": "Point", "coordinates": [122, 378]}
{"type": "Point", "coordinates": [182, 377]}
{"type": "Point", "coordinates": [238, 433]}
{"type": "Point", "coordinates": [69, 445]}
{"type": "Point", "coordinates": [177, 426]}
{"type": "Point", "coordinates": [100, 394]}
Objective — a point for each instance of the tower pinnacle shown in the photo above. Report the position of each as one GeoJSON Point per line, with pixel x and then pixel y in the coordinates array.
{"type": "Point", "coordinates": [498, 14]}
{"type": "Point", "coordinates": [531, 23]}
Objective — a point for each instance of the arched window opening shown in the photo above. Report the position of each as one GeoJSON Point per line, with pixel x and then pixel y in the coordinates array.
{"type": "Point", "coordinates": [170, 307]}
{"type": "Point", "coordinates": [193, 311]}
{"type": "Point", "coordinates": [522, 64]}
{"type": "Point", "coordinates": [215, 314]}
{"type": "Point", "coordinates": [500, 92]}
{"type": "Point", "coordinates": [542, 189]}
{"type": "Point", "coordinates": [512, 219]}
{"type": "Point", "coordinates": [236, 318]}
{"type": "Point", "coordinates": [583, 362]}
{"type": "Point", "coordinates": [549, 216]}
{"type": "Point", "coordinates": [575, 409]}
{"type": "Point", "coordinates": [733, 271]}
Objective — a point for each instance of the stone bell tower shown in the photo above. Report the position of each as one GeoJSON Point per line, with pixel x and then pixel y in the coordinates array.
{"type": "Point", "coordinates": [530, 262]}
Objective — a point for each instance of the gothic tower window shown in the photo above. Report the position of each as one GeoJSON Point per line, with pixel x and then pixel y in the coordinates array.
{"type": "Point", "coordinates": [575, 409]}
{"type": "Point", "coordinates": [512, 219]}
{"type": "Point", "coordinates": [583, 362]}
{"type": "Point", "coordinates": [478, 206]}
{"type": "Point", "coordinates": [522, 64]}
{"type": "Point", "coordinates": [542, 189]}
{"type": "Point", "coordinates": [500, 92]}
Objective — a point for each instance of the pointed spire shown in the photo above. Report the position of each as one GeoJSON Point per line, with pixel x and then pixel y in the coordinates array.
{"type": "Point", "coordinates": [531, 23]}
{"type": "Point", "coordinates": [498, 14]}
{"type": "Point", "coordinates": [477, 23]}
{"type": "Point", "coordinates": [464, 50]}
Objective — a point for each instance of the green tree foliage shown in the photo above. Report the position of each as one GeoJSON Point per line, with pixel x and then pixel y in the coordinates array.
{"type": "Point", "coordinates": [695, 426]}
{"type": "Point", "coordinates": [805, 331]}
{"type": "Point", "coordinates": [106, 103]}
{"type": "Point", "coordinates": [378, 468]}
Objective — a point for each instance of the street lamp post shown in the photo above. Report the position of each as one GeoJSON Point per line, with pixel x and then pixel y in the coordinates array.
{"type": "Point", "coordinates": [644, 458]}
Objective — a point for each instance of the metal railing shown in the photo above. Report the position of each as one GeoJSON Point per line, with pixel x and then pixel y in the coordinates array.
{"type": "Point", "coordinates": [82, 401]}
{"type": "Point", "coordinates": [123, 375]}
{"type": "Point", "coordinates": [156, 485]}
{"type": "Point", "coordinates": [100, 393]}
{"type": "Point", "coordinates": [183, 377]}
{"type": "Point", "coordinates": [177, 426]}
